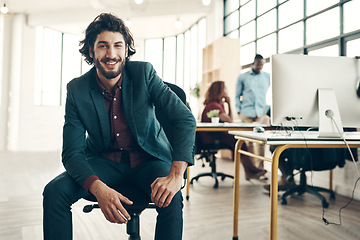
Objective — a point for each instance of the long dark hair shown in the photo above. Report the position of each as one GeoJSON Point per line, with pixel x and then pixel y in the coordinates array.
{"type": "Point", "coordinates": [214, 92]}
{"type": "Point", "coordinates": [105, 22]}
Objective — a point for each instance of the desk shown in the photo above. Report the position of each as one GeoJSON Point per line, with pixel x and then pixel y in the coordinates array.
{"type": "Point", "coordinates": [296, 140]}
{"type": "Point", "coordinates": [220, 127]}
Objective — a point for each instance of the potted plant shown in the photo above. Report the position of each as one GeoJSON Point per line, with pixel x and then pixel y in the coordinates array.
{"type": "Point", "coordinates": [214, 115]}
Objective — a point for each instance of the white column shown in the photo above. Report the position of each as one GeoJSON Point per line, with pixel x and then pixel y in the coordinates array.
{"type": "Point", "coordinates": [15, 82]}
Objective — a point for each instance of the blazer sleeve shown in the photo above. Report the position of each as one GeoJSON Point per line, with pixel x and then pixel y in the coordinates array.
{"type": "Point", "coordinates": [173, 112]}
{"type": "Point", "coordinates": [74, 143]}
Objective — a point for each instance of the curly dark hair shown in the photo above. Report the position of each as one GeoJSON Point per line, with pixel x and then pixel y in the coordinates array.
{"type": "Point", "coordinates": [214, 92]}
{"type": "Point", "coordinates": [105, 22]}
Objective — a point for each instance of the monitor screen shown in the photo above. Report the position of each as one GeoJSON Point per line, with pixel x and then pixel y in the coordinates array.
{"type": "Point", "coordinates": [295, 81]}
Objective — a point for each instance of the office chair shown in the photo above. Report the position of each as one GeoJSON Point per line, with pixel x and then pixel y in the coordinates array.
{"type": "Point", "coordinates": [140, 199]}
{"type": "Point", "coordinates": [208, 152]}
{"type": "Point", "coordinates": [305, 160]}
{"type": "Point", "coordinates": [141, 202]}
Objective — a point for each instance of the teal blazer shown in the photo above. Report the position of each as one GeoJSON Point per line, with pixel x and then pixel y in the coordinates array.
{"type": "Point", "coordinates": [86, 131]}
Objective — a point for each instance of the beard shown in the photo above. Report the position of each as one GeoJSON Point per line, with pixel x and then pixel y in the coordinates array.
{"type": "Point", "coordinates": [110, 74]}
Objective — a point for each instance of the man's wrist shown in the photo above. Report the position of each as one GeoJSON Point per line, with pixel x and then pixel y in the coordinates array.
{"type": "Point", "coordinates": [95, 186]}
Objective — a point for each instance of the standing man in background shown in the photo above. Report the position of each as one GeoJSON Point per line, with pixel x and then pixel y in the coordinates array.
{"type": "Point", "coordinates": [250, 101]}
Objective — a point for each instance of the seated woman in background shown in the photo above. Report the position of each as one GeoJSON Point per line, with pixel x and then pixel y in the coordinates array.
{"type": "Point", "coordinates": [215, 98]}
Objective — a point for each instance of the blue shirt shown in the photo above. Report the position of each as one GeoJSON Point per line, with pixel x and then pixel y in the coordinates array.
{"type": "Point", "coordinates": [252, 87]}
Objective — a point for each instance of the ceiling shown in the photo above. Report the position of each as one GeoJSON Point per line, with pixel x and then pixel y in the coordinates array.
{"type": "Point", "coordinates": [152, 19]}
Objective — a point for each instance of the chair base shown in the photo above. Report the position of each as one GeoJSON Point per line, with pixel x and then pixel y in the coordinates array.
{"type": "Point", "coordinates": [214, 175]}
{"type": "Point", "coordinates": [133, 225]}
{"type": "Point", "coordinates": [303, 187]}
{"type": "Point", "coordinates": [210, 157]}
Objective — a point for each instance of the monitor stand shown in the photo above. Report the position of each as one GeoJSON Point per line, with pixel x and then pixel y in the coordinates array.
{"type": "Point", "coordinates": [329, 114]}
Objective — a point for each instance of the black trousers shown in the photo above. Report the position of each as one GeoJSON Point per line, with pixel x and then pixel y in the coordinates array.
{"type": "Point", "coordinates": [60, 193]}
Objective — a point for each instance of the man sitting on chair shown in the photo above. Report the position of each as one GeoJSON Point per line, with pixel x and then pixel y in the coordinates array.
{"type": "Point", "coordinates": [111, 134]}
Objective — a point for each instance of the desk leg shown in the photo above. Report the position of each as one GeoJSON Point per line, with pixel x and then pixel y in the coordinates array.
{"type": "Point", "coordinates": [237, 161]}
{"type": "Point", "coordinates": [274, 191]}
{"type": "Point", "coordinates": [188, 183]}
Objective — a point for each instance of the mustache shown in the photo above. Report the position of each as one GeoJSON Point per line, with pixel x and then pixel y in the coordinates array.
{"type": "Point", "coordinates": [111, 59]}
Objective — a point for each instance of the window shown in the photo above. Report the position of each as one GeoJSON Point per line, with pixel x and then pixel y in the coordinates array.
{"type": "Point", "coordinates": [290, 12]}
{"type": "Point", "coordinates": [266, 23]}
{"type": "Point", "coordinates": [353, 48]}
{"type": "Point", "coordinates": [351, 13]}
{"type": "Point", "coordinates": [267, 45]}
{"type": "Point", "coordinates": [291, 37]}
{"type": "Point", "coordinates": [231, 5]}
{"type": "Point", "coordinates": [295, 26]}
{"type": "Point", "coordinates": [247, 53]}
{"type": "Point", "coordinates": [71, 66]}
{"type": "Point", "coordinates": [232, 21]}
{"type": "Point", "coordinates": [178, 59]}
{"type": "Point", "coordinates": [169, 59]}
{"type": "Point", "coordinates": [247, 12]}
{"type": "Point", "coordinates": [265, 5]}
{"type": "Point", "coordinates": [247, 33]}
{"type": "Point", "coordinates": [323, 26]}
{"type": "Point", "coordinates": [318, 5]}
{"type": "Point", "coordinates": [330, 51]}
{"type": "Point", "coordinates": [57, 61]}
{"type": "Point", "coordinates": [48, 71]}
{"type": "Point", "coordinates": [154, 54]}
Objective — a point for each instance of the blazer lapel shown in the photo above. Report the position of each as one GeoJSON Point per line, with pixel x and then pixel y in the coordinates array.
{"type": "Point", "coordinates": [101, 110]}
{"type": "Point", "coordinates": [128, 103]}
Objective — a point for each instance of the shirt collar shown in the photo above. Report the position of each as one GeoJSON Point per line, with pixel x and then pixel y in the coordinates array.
{"type": "Point", "coordinates": [102, 87]}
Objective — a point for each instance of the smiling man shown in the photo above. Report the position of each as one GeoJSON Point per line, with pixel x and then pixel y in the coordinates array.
{"type": "Point", "coordinates": [112, 135]}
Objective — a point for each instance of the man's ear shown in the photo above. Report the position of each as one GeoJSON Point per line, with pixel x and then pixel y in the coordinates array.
{"type": "Point", "coordinates": [91, 52]}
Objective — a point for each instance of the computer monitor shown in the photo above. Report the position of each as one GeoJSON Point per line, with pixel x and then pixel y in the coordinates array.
{"type": "Point", "coordinates": [297, 83]}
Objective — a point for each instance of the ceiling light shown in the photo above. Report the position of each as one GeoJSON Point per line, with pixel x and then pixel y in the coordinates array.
{"type": "Point", "coordinates": [4, 9]}
{"type": "Point", "coordinates": [178, 23]}
{"type": "Point", "coordinates": [138, 2]}
{"type": "Point", "coordinates": [206, 2]}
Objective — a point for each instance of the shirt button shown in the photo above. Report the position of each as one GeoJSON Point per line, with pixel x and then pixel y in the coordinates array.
{"type": "Point", "coordinates": [114, 98]}
{"type": "Point", "coordinates": [121, 149]}
{"type": "Point", "coordinates": [117, 134]}
{"type": "Point", "coordinates": [115, 117]}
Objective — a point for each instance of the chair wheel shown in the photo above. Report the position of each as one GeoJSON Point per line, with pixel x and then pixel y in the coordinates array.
{"type": "Point", "coordinates": [222, 178]}
{"type": "Point", "coordinates": [216, 185]}
{"type": "Point", "coordinates": [283, 201]}
{"type": "Point", "coordinates": [187, 198]}
{"type": "Point", "coordinates": [325, 204]}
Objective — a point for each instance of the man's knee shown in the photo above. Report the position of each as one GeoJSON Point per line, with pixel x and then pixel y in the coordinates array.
{"type": "Point", "coordinates": [63, 187]}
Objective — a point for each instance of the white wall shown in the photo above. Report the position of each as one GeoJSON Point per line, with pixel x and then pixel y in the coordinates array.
{"type": "Point", "coordinates": [26, 127]}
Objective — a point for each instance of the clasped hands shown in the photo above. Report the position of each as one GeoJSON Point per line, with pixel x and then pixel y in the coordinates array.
{"type": "Point", "coordinates": [110, 201]}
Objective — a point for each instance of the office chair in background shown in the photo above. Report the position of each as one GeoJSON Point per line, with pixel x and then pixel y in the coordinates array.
{"type": "Point", "coordinates": [207, 152]}
{"type": "Point", "coordinates": [305, 160]}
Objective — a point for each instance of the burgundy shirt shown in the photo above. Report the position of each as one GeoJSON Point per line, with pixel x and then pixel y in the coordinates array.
{"type": "Point", "coordinates": [121, 136]}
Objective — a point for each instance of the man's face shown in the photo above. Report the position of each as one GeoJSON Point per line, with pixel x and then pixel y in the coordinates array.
{"type": "Point", "coordinates": [258, 65]}
{"type": "Point", "coordinates": [109, 54]}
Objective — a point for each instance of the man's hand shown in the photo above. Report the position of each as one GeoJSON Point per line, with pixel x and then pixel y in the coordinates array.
{"type": "Point", "coordinates": [165, 188]}
{"type": "Point", "coordinates": [109, 202]}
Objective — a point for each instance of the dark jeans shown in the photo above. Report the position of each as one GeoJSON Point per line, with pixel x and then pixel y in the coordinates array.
{"type": "Point", "coordinates": [63, 191]}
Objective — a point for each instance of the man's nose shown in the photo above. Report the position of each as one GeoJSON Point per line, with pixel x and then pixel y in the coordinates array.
{"type": "Point", "coordinates": [111, 53]}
